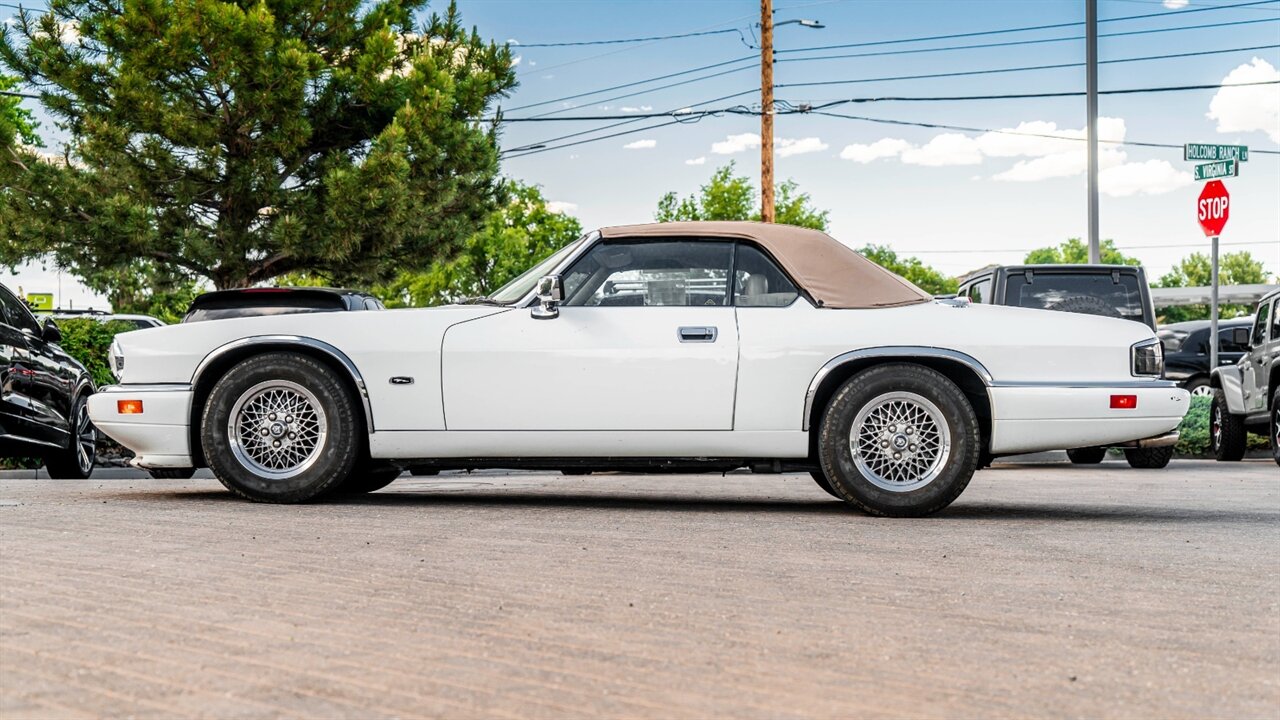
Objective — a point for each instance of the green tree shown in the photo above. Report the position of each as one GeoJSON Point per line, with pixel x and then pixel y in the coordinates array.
{"type": "Point", "coordinates": [926, 278]}
{"type": "Point", "coordinates": [16, 122]}
{"type": "Point", "coordinates": [1195, 270]}
{"type": "Point", "coordinates": [514, 238]}
{"type": "Point", "coordinates": [732, 197]}
{"type": "Point", "coordinates": [239, 141]}
{"type": "Point", "coordinates": [1076, 252]}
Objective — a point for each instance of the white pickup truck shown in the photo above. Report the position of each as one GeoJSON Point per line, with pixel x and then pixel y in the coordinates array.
{"type": "Point", "coordinates": [1246, 396]}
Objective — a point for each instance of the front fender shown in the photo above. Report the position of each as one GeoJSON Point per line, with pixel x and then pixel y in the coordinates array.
{"type": "Point", "coordinates": [1231, 381]}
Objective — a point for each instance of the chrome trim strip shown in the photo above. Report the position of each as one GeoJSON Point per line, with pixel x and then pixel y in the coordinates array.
{"type": "Point", "coordinates": [907, 351]}
{"type": "Point", "coordinates": [1087, 385]}
{"type": "Point", "coordinates": [312, 343]}
{"type": "Point", "coordinates": [146, 387]}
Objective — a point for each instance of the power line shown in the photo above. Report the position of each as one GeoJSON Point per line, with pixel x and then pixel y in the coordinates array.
{"type": "Point", "coordinates": [678, 120]}
{"type": "Point", "coordinates": [634, 83]}
{"type": "Point", "coordinates": [1026, 28]}
{"type": "Point", "coordinates": [980, 251]}
{"type": "Point", "coordinates": [629, 40]}
{"type": "Point", "coordinates": [1025, 68]}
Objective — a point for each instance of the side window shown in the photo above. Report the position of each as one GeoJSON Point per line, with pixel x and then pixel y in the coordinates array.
{"type": "Point", "coordinates": [651, 274]}
{"type": "Point", "coordinates": [759, 282]}
{"type": "Point", "coordinates": [1260, 325]}
{"type": "Point", "coordinates": [15, 313]}
{"type": "Point", "coordinates": [1275, 324]}
{"type": "Point", "coordinates": [980, 292]}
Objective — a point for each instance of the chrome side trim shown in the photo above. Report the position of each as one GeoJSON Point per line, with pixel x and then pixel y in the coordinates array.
{"type": "Point", "coordinates": [907, 351]}
{"type": "Point", "coordinates": [149, 387]}
{"type": "Point", "coordinates": [312, 343]}
{"type": "Point", "coordinates": [1089, 384]}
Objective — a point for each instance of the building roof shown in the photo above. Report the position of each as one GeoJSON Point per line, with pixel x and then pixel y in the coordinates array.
{"type": "Point", "coordinates": [830, 272]}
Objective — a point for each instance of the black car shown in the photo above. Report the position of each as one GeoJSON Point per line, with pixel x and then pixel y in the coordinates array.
{"type": "Point", "coordinates": [1186, 350]}
{"type": "Point", "coordinates": [1119, 291]}
{"type": "Point", "coordinates": [250, 302]}
{"type": "Point", "coordinates": [43, 394]}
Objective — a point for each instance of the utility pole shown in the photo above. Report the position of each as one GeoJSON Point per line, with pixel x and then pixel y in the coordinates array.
{"type": "Point", "coordinates": [1091, 61]}
{"type": "Point", "coordinates": [766, 111]}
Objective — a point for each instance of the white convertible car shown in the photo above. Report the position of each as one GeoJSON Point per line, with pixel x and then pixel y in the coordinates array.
{"type": "Point", "coordinates": [665, 347]}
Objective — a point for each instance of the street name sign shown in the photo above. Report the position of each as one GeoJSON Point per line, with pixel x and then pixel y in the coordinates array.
{"type": "Point", "coordinates": [1204, 151]}
{"type": "Point", "coordinates": [1213, 208]}
{"type": "Point", "coordinates": [1221, 169]}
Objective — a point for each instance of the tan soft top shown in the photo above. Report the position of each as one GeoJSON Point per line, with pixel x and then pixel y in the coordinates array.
{"type": "Point", "coordinates": [833, 274]}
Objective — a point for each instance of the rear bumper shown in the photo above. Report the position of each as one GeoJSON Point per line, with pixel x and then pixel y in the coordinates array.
{"type": "Point", "coordinates": [159, 436]}
{"type": "Point", "coordinates": [1033, 418]}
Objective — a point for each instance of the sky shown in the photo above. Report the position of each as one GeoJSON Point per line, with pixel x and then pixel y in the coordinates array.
{"type": "Point", "coordinates": [956, 199]}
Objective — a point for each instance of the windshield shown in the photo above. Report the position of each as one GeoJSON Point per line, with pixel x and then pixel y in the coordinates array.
{"type": "Point", "coordinates": [518, 288]}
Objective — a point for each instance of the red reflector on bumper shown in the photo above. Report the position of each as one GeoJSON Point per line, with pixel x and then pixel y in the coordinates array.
{"type": "Point", "coordinates": [129, 407]}
{"type": "Point", "coordinates": [1124, 402]}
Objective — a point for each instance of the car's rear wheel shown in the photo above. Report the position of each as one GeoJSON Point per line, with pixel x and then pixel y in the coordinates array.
{"type": "Point", "coordinates": [75, 462]}
{"type": "Point", "coordinates": [171, 473]}
{"type": "Point", "coordinates": [899, 440]}
{"type": "Point", "coordinates": [280, 427]}
{"type": "Point", "coordinates": [1087, 456]}
{"type": "Point", "coordinates": [1199, 387]}
{"type": "Point", "coordinates": [1275, 426]}
{"type": "Point", "coordinates": [824, 483]}
{"type": "Point", "coordinates": [1227, 436]}
{"type": "Point", "coordinates": [1149, 458]}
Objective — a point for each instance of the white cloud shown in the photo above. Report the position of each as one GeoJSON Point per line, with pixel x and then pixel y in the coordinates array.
{"type": "Point", "coordinates": [1175, 4]}
{"type": "Point", "coordinates": [1064, 164]}
{"type": "Point", "coordinates": [883, 148]}
{"type": "Point", "coordinates": [533, 63]}
{"type": "Point", "coordinates": [700, 160]}
{"type": "Point", "coordinates": [1153, 177]}
{"type": "Point", "coordinates": [1246, 109]}
{"type": "Point", "coordinates": [516, 60]}
{"type": "Point", "coordinates": [641, 145]}
{"type": "Point", "coordinates": [559, 206]}
{"type": "Point", "coordinates": [736, 144]}
{"type": "Point", "coordinates": [512, 41]}
{"type": "Point", "coordinates": [786, 147]}
{"type": "Point", "coordinates": [633, 109]}
{"type": "Point", "coordinates": [605, 107]}
{"type": "Point", "coordinates": [683, 111]}
{"type": "Point", "coordinates": [547, 77]}
{"type": "Point", "coordinates": [945, 149]}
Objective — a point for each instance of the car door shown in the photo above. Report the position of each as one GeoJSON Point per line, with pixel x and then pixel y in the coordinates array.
{"type": "Point", "coordinates": [1257, 364]}
{"type": "Point", "coordinates": [645, 339]}
{"type": "Point", "coordinates": [18, 369]}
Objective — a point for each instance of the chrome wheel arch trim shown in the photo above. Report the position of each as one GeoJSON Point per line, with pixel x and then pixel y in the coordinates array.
{"type": "Point", "coordinates": [295, 341]}
{"type": "Point", "coordinates": [891, 351]}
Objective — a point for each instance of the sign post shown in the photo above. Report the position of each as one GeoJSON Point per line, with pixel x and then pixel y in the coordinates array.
{"type": "Point", "coordinates": [1212, 210]}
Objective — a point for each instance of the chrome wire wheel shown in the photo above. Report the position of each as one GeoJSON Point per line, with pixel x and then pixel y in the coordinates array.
{"type": "Point", "coordinates": [900, 441]}
{"type": "Point", "coordinates": [86, 440]}
{"type": "Point", "coordinates": [277, 429]}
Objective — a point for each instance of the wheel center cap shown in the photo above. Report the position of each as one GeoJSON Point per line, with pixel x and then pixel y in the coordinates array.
{"type": "Point", "coordinates": [277, 430]}
{"type": "Point", "coordinates": [899, 441]}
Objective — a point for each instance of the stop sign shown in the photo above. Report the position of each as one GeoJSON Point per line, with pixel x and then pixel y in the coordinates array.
{"type": "Point", "coordinates": [1213, 208]}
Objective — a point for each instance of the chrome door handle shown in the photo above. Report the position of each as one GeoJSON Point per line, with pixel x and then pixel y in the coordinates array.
{"type": "Point", "coordinates": [704, 334]}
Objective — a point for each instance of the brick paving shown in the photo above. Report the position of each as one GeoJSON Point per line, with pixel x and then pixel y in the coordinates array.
{"type": "Point", "coordinates": [1046, 590]}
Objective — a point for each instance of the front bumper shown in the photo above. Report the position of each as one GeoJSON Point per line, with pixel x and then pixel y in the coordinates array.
{"type": "Point", "coordinates": [1034, 418]}
{"type": "Point", "coordinates": [160, 435]}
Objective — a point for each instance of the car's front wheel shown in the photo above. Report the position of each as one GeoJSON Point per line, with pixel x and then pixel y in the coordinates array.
{"type": "Point", "coordinates": [1275, 426]}
{"type": "Point", "coordinates": [899, 440]}
{"type": "Point", "coordinates": [280, 427]}
{"type": "Point", "coordinates": [75, 462]}
{"type": "Point", "coordinates": [1227, 436]}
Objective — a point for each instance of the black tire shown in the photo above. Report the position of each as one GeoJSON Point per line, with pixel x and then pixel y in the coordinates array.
{"type": "Point", "coordinates": [1227, 436]}
{"type": "Point", "coordinates": [76, 461]}
{"type": "Point", "coordinates": [1149, 458]}
{"type": "Point", "coordinates": [824, 483]}
{"type": "Point", "coordinates": [332, 454]}
{"type": "Point", "coordinates": [940, 481]}
{"type": "Point", "coordinates": [1275, 426]}
{"type": "Point", "coordinates": [423, 471]}
{"type": "Point", "coordinates": [172, 473]}
{"type": "Point", "coordinates": [1087, 455]}
{"type": "Point", "coordinates": [1085, 305]}
{"type": "Point", "coordinates": [366, 479]}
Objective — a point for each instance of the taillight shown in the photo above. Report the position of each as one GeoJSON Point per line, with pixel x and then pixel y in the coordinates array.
{"type": "Point", "coordinates": [1124, 402]}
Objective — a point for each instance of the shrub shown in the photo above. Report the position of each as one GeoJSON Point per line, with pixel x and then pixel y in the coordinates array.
{"type": "Point", "coordinates": [89, 341]}
{"type": "Point", "coordinates": [1194, 431]}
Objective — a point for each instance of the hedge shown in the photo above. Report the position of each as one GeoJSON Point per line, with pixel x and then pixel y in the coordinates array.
{"type": "Point", "coordinates": [1195, 431]}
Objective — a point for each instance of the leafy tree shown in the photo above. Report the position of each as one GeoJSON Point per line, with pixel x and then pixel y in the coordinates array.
{"type": "Point", "coordinates": [1076, 252]}
{"type": "Point", "coordinates": [514, 238]}
{"type": "Point", "coordinates": [240, 141]}
{"type": "Point", "coordinates": [926, 278]}
{"type": "Point", "coordinates": [16, 122]}
{"type": "Point", "coordinates": [1195, 270]}
{"type": "Point", "coordinates": [732, 197]}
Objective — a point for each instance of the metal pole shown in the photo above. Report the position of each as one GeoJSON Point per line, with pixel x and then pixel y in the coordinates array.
{"type": "Point", "coordinates": [1213, 304]}
{"type": "Point", "coordinates": [766, 111]}
{"type": "Point", "coordinates": [1091, 61]}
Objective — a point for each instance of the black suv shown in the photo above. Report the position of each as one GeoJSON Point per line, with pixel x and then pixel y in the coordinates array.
{"type": "Point", "coordinates": [1118, 291]}
{"type": "Point", "coordinates": [43, 394]}
{"type": "Point", "coordinates": [1186, 350]}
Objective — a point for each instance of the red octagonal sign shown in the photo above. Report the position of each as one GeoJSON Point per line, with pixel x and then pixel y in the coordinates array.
{"type": "Point", "coordinates": [1213, 208]}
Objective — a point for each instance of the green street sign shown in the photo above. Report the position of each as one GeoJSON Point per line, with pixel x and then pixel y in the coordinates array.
{"type": "Point", "coordinates": [1209, 171]}
{"type": "Point", "coordinates": [1202, 151]}
{"type": "Point", "coordinates": [40, 302]}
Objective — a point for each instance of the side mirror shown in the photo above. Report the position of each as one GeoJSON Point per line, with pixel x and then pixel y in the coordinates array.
{"type": "Point", "coordinates": [50, 333]}
{"type": "Point", "coordinates": [550, 294]}
{"type": "Point", "coordinates": [1239, 337]}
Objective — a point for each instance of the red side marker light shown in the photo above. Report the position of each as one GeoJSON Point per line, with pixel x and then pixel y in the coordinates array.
{"type": "Point", "coordinates": [129, 407]}
{"type": "Point", "coordinates": [1124, 402]}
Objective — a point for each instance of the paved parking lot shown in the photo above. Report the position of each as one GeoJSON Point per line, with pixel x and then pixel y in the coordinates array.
{"type": "Point", "coordinates": [1045, 590]}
